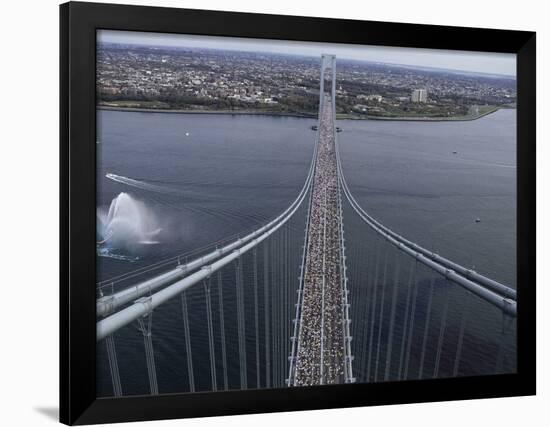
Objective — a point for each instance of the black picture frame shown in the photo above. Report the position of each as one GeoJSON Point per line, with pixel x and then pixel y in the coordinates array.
{"type": "Point", "coordinates": [78, 25]}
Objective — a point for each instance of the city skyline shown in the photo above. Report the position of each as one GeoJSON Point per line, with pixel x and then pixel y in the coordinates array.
{"type": "Point", "coordinates": [492, 63]}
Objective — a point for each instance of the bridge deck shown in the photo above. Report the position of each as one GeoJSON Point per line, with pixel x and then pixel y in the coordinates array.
{"type": "Point", "coordinates": [320, 352]}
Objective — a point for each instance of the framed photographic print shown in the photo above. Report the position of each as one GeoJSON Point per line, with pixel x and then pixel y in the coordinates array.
{"type": "Point", "coordinates": [273, 213]}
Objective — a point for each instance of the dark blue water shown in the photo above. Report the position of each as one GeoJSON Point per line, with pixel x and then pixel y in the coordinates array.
{"type": "Point", "coordinates": [430, 182]}
{"type": "Point", "coordinates": [405, 174]}
{"type": "Point", "coordinates": [207, 177]}
{"type": "Point", "coordinates": [229, 173]}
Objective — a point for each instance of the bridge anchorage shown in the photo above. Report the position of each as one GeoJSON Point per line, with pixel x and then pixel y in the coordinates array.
{"type": "Point", "coordinates": [275, 307]}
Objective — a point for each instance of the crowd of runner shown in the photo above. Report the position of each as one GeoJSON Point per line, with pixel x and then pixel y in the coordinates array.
{"type": "Point", "coordinates": [321, 338]}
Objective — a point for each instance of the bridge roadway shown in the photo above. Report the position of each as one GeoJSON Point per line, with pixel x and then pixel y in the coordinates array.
{"type": "Point", "coordinates": [320, 348]}
{"type": "Point", "coordinates": [321, 341]}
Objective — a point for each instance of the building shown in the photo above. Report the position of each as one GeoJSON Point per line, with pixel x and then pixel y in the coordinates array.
{"type": "Point", "coordinates": [419, 95]}
{"type": "Point", "coordinates": [361, 108]}
{"type": "Point", "coordinates": [377, 98]}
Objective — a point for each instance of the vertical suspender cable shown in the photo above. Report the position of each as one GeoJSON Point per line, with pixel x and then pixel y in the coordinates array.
{"type": "Point", "coordinates": [256, 320]}
{"type": "Point", "coordinates": [392, 318]}
{"type": "Point", "coordinates": [266, 316]}
{"type": "Point", "coordinates": [406, 320]}
{"type": "Point", "coordinates": [222, 329]}
{"type": "Point", "coordinates": [190, 372]}
{"type": "Point", "coordinates": [113, 365]}
{"type": "Point", "coordinates": [464, 318]}
{"type": "Point", "coordinates": [411, 324]}
{"type": "Point", "coordinates": [426, 328]}
{"type": "Point", "coordinates": [373, 315]}
{"type": "Point", "coordinates": [240, 322]}
{"type": "Point", "coordinates": [381, 320]}
{"type": "Point", "coordinates": [441, 333]}
{"type": "Point", "coordinates": [208, 299]}
{"type": "Point", "coordinates": [145, 325]}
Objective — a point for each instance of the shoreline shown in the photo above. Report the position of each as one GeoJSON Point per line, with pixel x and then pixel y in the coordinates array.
{"type": "Point", "coordinates": [225, 112]}
{"type": "Point", "coordinates": [437, 119]}
{"type": "Point", "coordinates": [300, 115]}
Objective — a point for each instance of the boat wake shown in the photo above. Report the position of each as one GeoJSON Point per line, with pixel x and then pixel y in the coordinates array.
{"type": "Point", "coordinates": [142, 185]}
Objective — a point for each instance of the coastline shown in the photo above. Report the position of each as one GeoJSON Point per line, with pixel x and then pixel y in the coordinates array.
{"type": "Point", "coordinates": [436, 119]}
{"type": "Point", "coordinates": [300, 115]}
{"type": "Point", "coordinates": [227, 112]}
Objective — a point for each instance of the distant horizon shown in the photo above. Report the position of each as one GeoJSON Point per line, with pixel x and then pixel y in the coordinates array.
{"type": "Point", "coordinates": [461, 62]}
{"type": "Point", "coordinates": [398, 65]}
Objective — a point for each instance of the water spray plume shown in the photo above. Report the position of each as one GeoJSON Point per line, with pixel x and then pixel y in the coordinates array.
{"type": "Point", "coordinates": [127, 225]}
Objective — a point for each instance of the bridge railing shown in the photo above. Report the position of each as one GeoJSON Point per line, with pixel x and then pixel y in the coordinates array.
{"type": "Point", "coordinates": [488, 289]}
{"type": "Point", "coordinates": [137, 303]}
{"type": "Point", "coordinates": [146, 296]}
{"type": "Point", "coordinates": [231, 331]}
{"type": "Point", "coordinates": [109, 303]}
{"type": "Point", "coordinates": [141, 307]}
{"type": "Point", "coordinates": [394, 311]}
{"type": "Point", "coordinates": [414, 322]}
{"type": "Point", "coordinates": [410, 322]}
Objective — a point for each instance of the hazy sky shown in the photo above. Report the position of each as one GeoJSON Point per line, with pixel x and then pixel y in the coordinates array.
{"type": "Point", "coordinates": [481, 62]}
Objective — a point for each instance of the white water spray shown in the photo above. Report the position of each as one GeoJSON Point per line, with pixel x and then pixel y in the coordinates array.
{"type": "Point", "coordinates": [127, 225]}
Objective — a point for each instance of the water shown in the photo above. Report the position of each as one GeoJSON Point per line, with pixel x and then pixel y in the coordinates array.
{"type": "Point", "coordinates": [431, 182]}
{"type": "Point", "coordinates": [226, 177]}
{"type": "Point", "coordinates": [406, 175]}
{"type": "Point", "coordinates": [205, 177]}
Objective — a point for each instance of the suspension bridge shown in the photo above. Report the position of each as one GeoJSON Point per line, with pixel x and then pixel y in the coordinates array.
{"type": "Point", "coordinates": [278, 313]}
